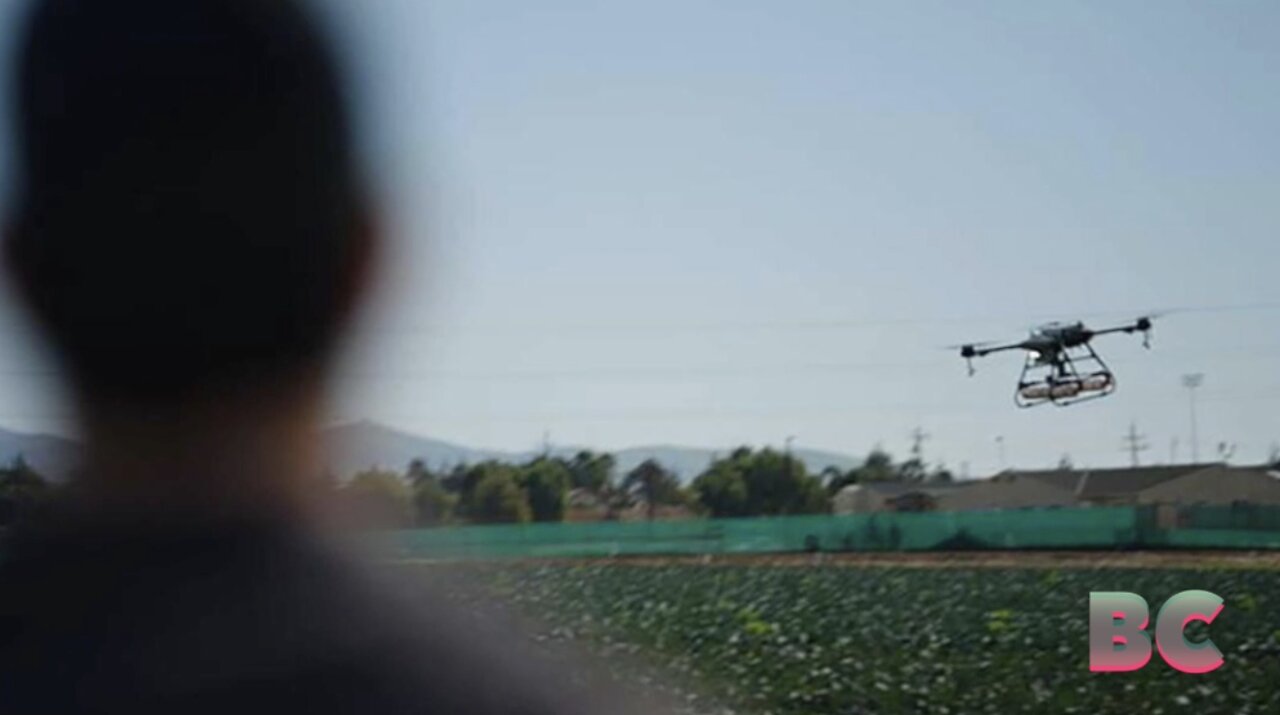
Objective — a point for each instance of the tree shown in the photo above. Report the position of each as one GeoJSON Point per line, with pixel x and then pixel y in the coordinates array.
{"type": "Point", "coordinates": [721, 489]}
{"type": "Point", "coordinates": [21, 477]}
{"type": "Point", "coordinates": [589, 470]}
{"type": "Point", "coordinates": [766, 482]}
{"type": "Point", "coordinates": [1065, 464]}
{"type": "Point", "coordinates": [546, 486]}
{"type": "Point", "coordinates": [836, 479]}
{"type": "Point", "coordinates": [498, 498]}
{"type": "Point", "coordinates": [912, 470]}
{"type": "Point", "coordinates": [878, 467]}
{"type": "Point", "coordinates": [432, 504]}
{"type": "Point", "coordinates": [460, 480]}
{"type": "Point", "coordinates": [653, 484]}
{"type": "Point", "coordinates": [778, 483]}
{"type": "Point", "coordinates": [940, 475]}
{"type": "Point", "coordinates": [465, 481]}
{"type": "Point", "coordinates": [381, 498]}
{"type": "Point", "coordinates": [418, 472]}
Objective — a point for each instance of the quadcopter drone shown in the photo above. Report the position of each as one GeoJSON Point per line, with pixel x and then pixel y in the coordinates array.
{"type": "Point", "coordinates": [1061, 365]}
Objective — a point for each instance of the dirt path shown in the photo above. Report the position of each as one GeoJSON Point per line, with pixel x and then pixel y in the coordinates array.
{"type": "Point", "coordinates": [962, 559]}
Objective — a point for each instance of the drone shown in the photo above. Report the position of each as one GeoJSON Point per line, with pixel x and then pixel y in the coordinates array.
{"type": "Point", "coordinates": [1061, 366]}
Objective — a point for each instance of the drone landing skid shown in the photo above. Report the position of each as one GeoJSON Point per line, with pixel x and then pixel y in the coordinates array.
{"type": "Point", "coordinates": [1064, 379]}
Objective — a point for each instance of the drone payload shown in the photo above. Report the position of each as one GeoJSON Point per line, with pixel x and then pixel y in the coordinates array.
{"type": "Point", "coordinates": [1044, 390]}
{"type": "Point", "coordinates": [1061, 365]}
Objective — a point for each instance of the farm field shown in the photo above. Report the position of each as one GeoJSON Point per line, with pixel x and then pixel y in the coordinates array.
{"type": "Point", "coordinates": [791, 635]}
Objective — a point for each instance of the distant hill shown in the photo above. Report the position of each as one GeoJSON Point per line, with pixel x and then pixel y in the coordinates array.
{"type": "Point", "coordinates": [359, 445]}
{"type": "Point", "coordinates": [50, 455]}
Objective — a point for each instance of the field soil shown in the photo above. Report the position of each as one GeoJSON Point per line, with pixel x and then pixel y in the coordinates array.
{"type": "Point", "coordinates": [1267, 560]}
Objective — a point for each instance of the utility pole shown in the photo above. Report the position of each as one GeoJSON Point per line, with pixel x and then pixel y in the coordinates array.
{"type": "Point", "coordinates": [1173, 451]}
{"type": "Point", "coordinates": [1000, 451]}
{"type": "Point", "coordinates": [918, 437]}
{"type": "Point", "coordinates": [1135, 443]}
{"type": "Point", "coordinates": [1226, 450]}
{"type": "Point", "coordinates": [1192, 382]}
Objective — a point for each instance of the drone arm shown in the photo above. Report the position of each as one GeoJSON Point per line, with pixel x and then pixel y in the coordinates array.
{"type": "Point", "coordinates": [1122, 329]}
{"type": "Point", "coordinates": [969, 352]}
{"type": "Point", "coordinates": [1142, 325]}
{"type": "Point", "coordinates": [983, 352]}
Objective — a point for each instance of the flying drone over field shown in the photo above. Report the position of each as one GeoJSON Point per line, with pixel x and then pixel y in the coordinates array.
{"type": "Point", "coordinates": [1061, 365]}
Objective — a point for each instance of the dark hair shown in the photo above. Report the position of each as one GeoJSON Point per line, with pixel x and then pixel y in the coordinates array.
{"type": "Point", "coordinates": [187, 202]}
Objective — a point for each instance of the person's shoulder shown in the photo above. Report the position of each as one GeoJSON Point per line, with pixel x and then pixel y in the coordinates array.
{"type": "Point", "coordinates": [430, 645]}
{"type": "Point", "coordinates": [205, 620]}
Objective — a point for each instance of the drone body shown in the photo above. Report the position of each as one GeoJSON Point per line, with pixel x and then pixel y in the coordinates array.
{"type": "Point", "coordinates": [1061, 365]}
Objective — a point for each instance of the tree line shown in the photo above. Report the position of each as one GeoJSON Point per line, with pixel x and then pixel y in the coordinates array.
{"type": "Point", "coordinates": [746, 482]}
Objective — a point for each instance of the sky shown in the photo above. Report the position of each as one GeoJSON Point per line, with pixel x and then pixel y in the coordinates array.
{"type": "Point", "coordinates": [720, 223]}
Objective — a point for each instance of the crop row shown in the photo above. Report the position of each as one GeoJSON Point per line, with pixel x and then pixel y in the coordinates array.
{"type": "Point", "coordinates": [854, 640]}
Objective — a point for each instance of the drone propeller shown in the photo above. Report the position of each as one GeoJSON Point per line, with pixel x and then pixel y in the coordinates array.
{"type": "Point", "coordinates": [1144, 325]}
{"type": "Point", "coordinates": [969, 351]}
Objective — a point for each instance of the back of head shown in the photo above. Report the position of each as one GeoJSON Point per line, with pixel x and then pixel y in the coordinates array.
{"type": "Point", "coordinates": [187, 204]}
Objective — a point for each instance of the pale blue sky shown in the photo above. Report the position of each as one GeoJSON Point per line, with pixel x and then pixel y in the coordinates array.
{"type": "Point", "coordinates": [711, 223]}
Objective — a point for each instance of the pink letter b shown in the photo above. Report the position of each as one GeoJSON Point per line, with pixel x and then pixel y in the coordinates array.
{"type": "Point", "coordinates": [1118, 641]}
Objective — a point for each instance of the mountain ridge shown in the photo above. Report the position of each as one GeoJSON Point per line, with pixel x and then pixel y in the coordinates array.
{"type": "Point", "coordinates": [393, 448]}
{"type": "Point", "coordinates": [353, 446]}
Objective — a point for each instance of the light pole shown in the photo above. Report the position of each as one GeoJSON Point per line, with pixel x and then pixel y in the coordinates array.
{"type": "Point", "coordinates": [1192, 382]}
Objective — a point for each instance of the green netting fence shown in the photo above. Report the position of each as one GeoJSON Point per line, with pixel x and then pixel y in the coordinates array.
{"type": "Point", "coordinates": [1119, 527]}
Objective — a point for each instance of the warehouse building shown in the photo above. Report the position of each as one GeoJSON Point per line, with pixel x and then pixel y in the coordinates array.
{"type": "Point", "coordinates": [1180, 485]}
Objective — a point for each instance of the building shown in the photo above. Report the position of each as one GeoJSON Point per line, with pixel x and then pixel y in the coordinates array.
{"type": "Point", "coordinates": [1176, 485]}
{"type": "Point", "coordinates": [585, 505]}
{"type": "Point", "coordinates": [989, 494]}
{"type": "Point", "coordinates": [1217, 484]}
{"type": "Point", "coordinates": [1102, 487]}
{"type": "Point", "coordinates": [871, 497]}
{"type": "Point", "coordinates": [1207, 483]}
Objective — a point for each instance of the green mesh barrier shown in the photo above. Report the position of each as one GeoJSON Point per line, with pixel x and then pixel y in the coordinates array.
{"type": "Point", "coordinates": [1054, 528]}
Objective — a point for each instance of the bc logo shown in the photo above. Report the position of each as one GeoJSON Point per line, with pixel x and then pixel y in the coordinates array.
{"type": "Point", "coordinates": [1118, 640]}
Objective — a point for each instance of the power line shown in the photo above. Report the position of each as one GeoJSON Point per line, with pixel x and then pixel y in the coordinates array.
{"type": "Point", "coordinates": [830, 324]}
{"type": "Point", "coordinates": [717, 371]}
{"type": "Point", "coordinates": [781, 370]}
{"type": "Point", "coordinates": [779, 413]}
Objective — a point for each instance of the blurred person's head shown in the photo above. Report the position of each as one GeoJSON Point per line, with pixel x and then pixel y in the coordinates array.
{"type": "Point", "coordinates": [187, 222]}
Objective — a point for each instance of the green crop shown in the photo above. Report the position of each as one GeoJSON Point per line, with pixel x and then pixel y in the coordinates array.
{"type": "Point", "coordinates": [914, 640]}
